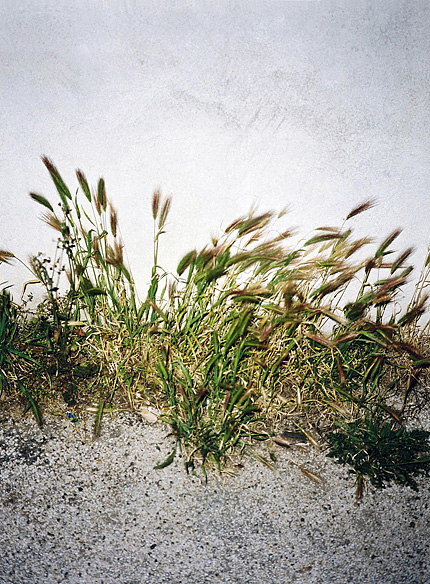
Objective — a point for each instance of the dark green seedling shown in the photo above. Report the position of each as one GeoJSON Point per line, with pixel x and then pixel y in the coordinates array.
{"type": "Point", "coordinates": [382, 451]}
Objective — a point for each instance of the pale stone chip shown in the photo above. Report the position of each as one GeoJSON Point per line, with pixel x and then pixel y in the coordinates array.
{"type": "Point", "coordinates": [149, 414]}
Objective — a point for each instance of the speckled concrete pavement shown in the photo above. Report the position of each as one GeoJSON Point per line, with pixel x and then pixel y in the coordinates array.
{"type": "Point", "coordinates": [77, 511]}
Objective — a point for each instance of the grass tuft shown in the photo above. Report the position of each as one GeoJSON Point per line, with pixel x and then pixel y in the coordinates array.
{"type": "Point", "coordinates": [251, 335]}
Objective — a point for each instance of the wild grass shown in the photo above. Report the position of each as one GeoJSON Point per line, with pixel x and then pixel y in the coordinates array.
{"type": "Point", "coordinates": [254, 334]}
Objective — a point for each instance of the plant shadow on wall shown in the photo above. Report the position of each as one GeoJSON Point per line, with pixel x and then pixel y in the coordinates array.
{"type": "Point", "coordinates": [254, 336]}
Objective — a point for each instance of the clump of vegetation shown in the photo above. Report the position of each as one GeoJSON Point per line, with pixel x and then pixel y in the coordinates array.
{"type": "Point", "coordinates": [381, 450]}
{"type": "Point", "coordinates": [11, 358]}
{"type": "Point", "coordinates": [253, 332]}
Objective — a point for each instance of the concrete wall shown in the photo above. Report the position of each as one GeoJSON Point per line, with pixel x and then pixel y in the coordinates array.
{"type": "Point", "coordinates": [313, 104]}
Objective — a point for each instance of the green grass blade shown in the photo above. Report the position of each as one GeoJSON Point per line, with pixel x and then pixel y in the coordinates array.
{"type": "Point", "coordinates": [60, 185]}
{"type": "Point", "coordinates": [33, 404]}
{"type": "Point", "coordinates": [381, 251]}
{"type": "Point", "coordinates": [42, 201]}
{"type": "Point", "coordinates": [168, 460]}
{"type": "Point", "coordinates": [186, 261]}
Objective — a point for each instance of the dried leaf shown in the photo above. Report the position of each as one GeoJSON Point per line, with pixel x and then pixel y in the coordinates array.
{"type": "Point", "coordinates": [283, 442]}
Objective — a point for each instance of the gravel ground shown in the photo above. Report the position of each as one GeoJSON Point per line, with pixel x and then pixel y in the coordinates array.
{"type": "Point", "coordinates": [77, 511]}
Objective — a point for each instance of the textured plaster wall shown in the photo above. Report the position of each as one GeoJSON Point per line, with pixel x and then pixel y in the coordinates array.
{"type": "Point", "coordinates": [313, 104]}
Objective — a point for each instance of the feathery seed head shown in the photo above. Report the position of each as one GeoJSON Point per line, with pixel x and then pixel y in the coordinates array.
{"type": "Point", "coordinates": [101, 194]}
{"type": "Point", "coordinates": [97, 204]}
{"type": "Point", "coordinates": [155, 203]}
{"type": "Point", "coordinates": [164, 212]}
{"type": "Point", "coordinates": [6, 256]}
{"type": "Point", "coordinates": [84, 183]}
{"type": "Point", "coordinates": [361, 208]}
{"type": "Point", "coordinates": [53, 221]}
{"type": "Point", "coordinates": [113, 220]}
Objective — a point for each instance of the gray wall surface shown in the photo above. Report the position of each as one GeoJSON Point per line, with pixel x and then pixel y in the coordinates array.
{"type": "Point", "coordinates": [317, 105]}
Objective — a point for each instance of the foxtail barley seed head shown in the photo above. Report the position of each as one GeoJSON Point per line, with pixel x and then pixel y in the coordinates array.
{"type": "Point", "coordinates": [155, 203]}
{"type": "Point", "coordinates": [6, 256]}
{"type": "Point", "coordinates": [164, 212]}
{"type": "Point", "coordinates": [53, 221]}
{"type": "Point", "coordinates": [113, 220]}
{"type": "Point", "coordinates": [84, 183]}
{"type": "Point", "coordinates": [361, 208]}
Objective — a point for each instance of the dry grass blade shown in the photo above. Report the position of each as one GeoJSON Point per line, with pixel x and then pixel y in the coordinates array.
{"type": "Point", "coordinates": [28, 283]}
{"type": "Point", "coordinates": [320, 340]}
{"type": "Point", "coordinates": [396, 415]}
{"type": "Point", "coordinates": [98, 421]}
{"type": "Point", "coordinates": [312, 476]}
{"type": "Point", "coordinates": [310, 437]}
{"type": "Point", "coordinates": [359, 488]}
{"type": "Point", "coordinates": [263, 460]}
